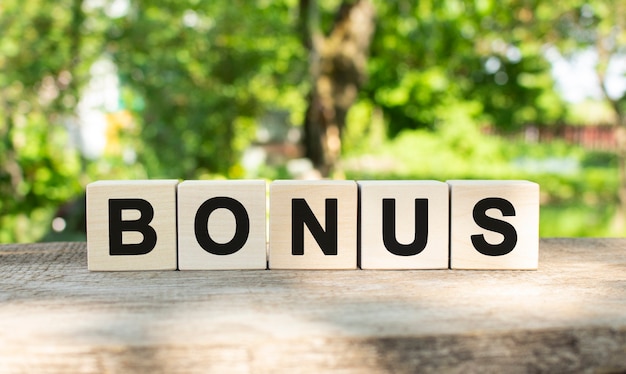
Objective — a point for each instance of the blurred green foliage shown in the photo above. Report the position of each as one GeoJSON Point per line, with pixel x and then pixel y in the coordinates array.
{"type": "Point", "coordinates": [196, 77]}
{"type": "Point", "coordinates": [429, 56]}
{"type": "Point", "coordinates": [42, 62]}
{"type": "Point", "coordinates": [578, 187]}
{"type": "Point", "coordinates": [206, 71]}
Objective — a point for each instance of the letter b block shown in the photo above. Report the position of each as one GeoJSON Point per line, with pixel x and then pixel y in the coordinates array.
{"type": "Point", "coordinates": [494, 224]}
{"type": "Point", "coordinates": [313, 225]}
{"type": "Point", "coordinates": [131, 225]}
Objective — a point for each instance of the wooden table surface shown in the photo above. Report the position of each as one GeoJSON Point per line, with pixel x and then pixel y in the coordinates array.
{"type": "Point", "coordinates": [569, 316]}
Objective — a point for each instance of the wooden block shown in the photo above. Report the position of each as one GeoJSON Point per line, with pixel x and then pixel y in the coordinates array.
{"type": "Point", "coordinates": [494, 224]}
{"type": "Point", "coordinates": [131, 225]}
{"type": "Point", "coordinates": [221, 225]}
{"type": "Point", "coordinates": [313, 225]}
{"type": "Point", "coordinates": [404, 224]}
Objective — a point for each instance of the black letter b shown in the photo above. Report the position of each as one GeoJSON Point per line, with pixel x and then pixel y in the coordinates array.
{"type": "Point", "coordinates": [141, 225]}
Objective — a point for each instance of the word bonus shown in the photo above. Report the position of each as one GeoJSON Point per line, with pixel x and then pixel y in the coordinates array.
{"type": "Point", "coordinates": [222, 225]}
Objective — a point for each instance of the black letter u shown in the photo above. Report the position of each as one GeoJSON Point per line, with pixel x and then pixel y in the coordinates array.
{"type": "Point", "coordinates": [389, 228]}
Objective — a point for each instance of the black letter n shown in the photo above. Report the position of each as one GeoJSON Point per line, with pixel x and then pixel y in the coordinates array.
{"type": "Point", "coordinates": [141, 225]}
{"type": "Point", "coordinates": [301, 215]}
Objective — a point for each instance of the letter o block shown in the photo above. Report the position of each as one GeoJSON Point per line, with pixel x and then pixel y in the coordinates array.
{"type": "Point", "coordinates": [494, 224]}
{"type": "Point", "coordinates": [221, 225]}
{"type": "Point", "coordinates": [131, 225]}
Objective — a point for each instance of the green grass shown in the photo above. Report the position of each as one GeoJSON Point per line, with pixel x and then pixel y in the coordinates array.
{"type": "Point", "coordinates": [578, 187]}
{"type": "Point", "coordinates": [574, 219]}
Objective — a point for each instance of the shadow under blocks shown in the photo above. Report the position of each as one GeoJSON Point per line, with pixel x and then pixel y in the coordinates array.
{"type": "Point", "coordinates": [324, 224]}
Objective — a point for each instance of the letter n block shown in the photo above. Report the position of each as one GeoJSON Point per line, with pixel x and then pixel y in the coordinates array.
{"type": "Point", "coordinates": [313, 225]}
{"type": "Point", "coordinates": [221, 225]}
{"type": "Point", "coordinates": [494, 224]}
{"type": "Point", "coordinates": [131, 225]}
{"type": "Point", "coordinates": [404, 224]}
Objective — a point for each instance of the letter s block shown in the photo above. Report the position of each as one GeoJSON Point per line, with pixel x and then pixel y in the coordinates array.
{"type": "Point", "coordinates": [494, 224]}
{"type": "Point", "coordinates": [131, 225]}
{"type": "Point", "coordinates": [221, 225]}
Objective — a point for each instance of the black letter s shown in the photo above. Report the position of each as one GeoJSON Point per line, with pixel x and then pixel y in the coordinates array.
{"type": "Point", "coordinates": [496, 225]}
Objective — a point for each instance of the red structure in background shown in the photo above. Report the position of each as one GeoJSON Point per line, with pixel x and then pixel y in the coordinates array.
{"type": "Point", "coordinates": [596, 137]}
{"type": "Point", "coordinates": [600, 137]}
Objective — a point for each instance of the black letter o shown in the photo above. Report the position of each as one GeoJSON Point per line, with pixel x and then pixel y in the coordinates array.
{"type": "Point", "coordinates": [242, 226]}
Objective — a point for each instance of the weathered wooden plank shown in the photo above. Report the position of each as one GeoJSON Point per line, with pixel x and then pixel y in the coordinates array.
{"type": "Point", "coordinates": [570, 315]}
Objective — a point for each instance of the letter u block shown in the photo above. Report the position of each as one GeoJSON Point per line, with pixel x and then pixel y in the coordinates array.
{"type": "Point", "coordinates": [404, 224]}
{"type": "Point", "coordinates": [313, 225]}
{"type": "Point", "coordinates": [221, 225]}
{"type": "Point", "coordinates": [131, 225]}
{"type": "Point", "coordinates": [494, 224]}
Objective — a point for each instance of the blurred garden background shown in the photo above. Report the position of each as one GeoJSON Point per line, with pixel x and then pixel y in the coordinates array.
{"type": "Point", "coordinates": [361, 89]}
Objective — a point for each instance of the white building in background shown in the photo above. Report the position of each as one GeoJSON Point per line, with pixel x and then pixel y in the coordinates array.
{"type": "Point", "coordinates": [100, 96]}
{"type": "Point", "coordinates": [101, 118]}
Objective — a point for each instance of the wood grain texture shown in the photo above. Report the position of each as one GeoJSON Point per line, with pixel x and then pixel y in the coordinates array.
{"type": "Point", "coordinates": [523, 196]}
{"type": "Point", "coordinates": [374, 252]}
{"type": "Point", "coordinates": [316, 194]}
{"type": "Point", "coordinates": [161, 195]}
{"type": "Point", "coordinates": [568, 316]}
{"type": "Point", "coordinates": [222, 224]}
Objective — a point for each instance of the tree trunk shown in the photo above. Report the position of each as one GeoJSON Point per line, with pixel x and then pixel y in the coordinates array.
{"type": "Point", "coordinates": [608, 45]}
{"type": "Point", "coordinates": [619, 123]}
{"type": "Point", "coordinates": [337, 67]}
